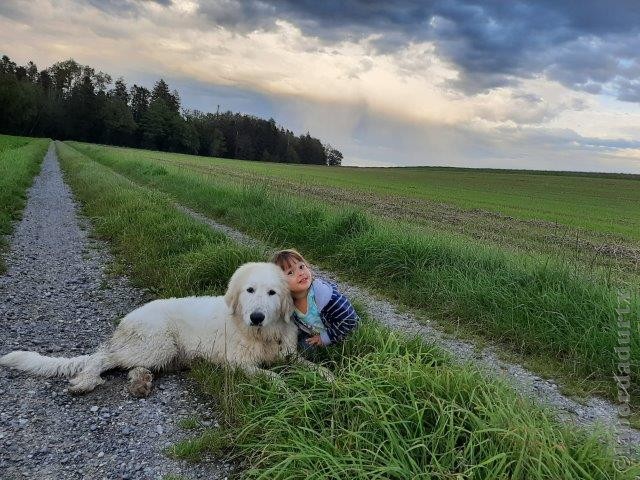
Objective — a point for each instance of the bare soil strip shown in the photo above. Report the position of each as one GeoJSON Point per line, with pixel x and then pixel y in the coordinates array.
{"type": "Point", "coordinates": [57, 299]}
{"type": "Point", "coordinates": [594, 411]}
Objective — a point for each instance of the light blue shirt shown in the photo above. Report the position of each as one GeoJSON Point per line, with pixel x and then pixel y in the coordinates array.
{"type": "Point", "coordinates": [311, 320]}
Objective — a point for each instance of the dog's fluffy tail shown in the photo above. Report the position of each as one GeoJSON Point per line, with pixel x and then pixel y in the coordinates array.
{"type": "Point", "coordinates": [37, 364]}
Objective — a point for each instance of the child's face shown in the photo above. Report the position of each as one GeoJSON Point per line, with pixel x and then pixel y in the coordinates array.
{"type": "Point", "coordinates": [298, 276]}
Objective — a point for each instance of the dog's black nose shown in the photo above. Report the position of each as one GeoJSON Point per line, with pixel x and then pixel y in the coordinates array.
{"type": "Point", "coordinates": [256, 318]}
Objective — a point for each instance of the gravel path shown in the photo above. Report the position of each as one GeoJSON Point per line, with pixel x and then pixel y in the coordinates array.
{"type": "Point", "coordinates": [594, 411]}
{"type": "Point", "coordinates": [56, 298]}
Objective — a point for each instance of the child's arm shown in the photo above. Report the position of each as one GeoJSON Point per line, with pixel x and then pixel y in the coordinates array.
{"type": "Point", "coordinates": [340, 318]}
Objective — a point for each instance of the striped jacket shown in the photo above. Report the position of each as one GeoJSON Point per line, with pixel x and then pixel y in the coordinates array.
{"type": "Point", "coordinates": [336, 312]}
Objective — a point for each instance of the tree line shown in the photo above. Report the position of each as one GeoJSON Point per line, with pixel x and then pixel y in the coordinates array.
{"type": "Point", "coordinates": [72, 101]}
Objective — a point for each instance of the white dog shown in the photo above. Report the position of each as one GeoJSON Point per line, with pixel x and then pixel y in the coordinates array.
{"type": "Point", "coordinates": [245, 328]}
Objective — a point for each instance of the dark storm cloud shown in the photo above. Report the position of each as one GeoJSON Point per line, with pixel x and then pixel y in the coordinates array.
{"type": "Point", "coordinates": [239, 15]}
{"type": "Point", "coordinates": [586, 45]}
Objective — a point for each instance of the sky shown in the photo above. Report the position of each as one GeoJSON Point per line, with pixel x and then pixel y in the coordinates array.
{"type": "Point", "coordinates": [546, 84]}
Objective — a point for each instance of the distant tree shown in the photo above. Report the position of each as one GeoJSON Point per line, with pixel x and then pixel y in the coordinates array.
{"type": "Point", "coordinates": [101, 81]}
{"type": "Point", "coordinates": [310, 150]}
{"type": "Point", "coordinates": [7, 66]}
{"type": "Point", "coordinates": [291, 156]}
{"type": "Point", "coordinates": [334, 157]}
{"type": "Point", "coordinates": [83, 113]}
{"type": "Point", "coordinates": [65, 74]}
{"type": "Point", "coordinates": [118, 122]}
{"type": "Point", "coordinates": [161, 92]}
{"type": "Point", "coordinates": [140, 97]}
{"type": "Point", "coordinates": [245, 148]}
{"type": "Point", "coordinates": [156, 124]}
{"type": "Point", "coordinates": [120, 91]}
{"type": "Point", "coordinates": [190, 141]}
{"type": "Point", "coordinates": [21, 73]}
{"type": "Point", "coordinates": [218, 144]}
{"type": "Point", "coordinates": [18, 103]}
{"type": "Point", "coordinates": [49, 122]}
{"type": "Point", "coordinates": [45, 81]}
{"type": "Point", "coordinates": [32, 72]}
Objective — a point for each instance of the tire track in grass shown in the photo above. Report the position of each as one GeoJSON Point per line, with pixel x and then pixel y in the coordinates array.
{"type": "Point", "coordinates": [57, 299]}
{"type": "Point", "coordinates": [593, 411]}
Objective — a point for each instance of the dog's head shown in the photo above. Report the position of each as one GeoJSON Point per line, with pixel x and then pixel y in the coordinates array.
{"type": "Point", "coordinates": [259, 295]}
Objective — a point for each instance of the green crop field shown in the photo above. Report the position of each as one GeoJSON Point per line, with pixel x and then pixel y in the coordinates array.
{"type": "Point", "coordinates": [398, 408]}
{"type": "Point", "coordinates": [550, 311]}
{"type": "Point", "coordinates": [20, 160]}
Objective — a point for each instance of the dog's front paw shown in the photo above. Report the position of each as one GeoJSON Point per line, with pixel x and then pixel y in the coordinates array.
{"type": "Point", "coordinates": [140, 389]}
{"type": "Point", "coordinates": [140, 382]}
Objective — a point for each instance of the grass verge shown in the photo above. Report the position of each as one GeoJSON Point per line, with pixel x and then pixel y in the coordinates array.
{"type": "Point", "coordinates": [20, 160]}
{"type": "Point", "coordinates": [544, 311]}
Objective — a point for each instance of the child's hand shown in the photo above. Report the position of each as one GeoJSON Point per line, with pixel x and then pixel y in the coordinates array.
{"type": "Point", "coordinates": [316, 341]}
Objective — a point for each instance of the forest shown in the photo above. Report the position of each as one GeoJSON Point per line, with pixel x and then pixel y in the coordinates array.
{"type": "Point", "coordinates": [70, 101]}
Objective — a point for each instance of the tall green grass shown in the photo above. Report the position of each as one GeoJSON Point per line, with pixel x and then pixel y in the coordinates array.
{"type": "Point", "coordinates": [20, 160]}
{"type": "Point", "coordinates": [9, 142]}
{"type": "Point", "coordinates": [398, 409]}
{"type": "Point", "coordinates": [538, 308]}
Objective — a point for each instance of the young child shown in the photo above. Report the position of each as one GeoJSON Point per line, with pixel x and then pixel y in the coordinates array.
{"type": "Point", "coordinates": [323, 315]}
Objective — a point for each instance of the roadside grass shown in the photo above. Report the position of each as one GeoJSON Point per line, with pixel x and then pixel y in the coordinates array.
{"type": "Point", "coordinates": [541, 309]}
{"type": "Point", "coordinates": [20, 160]}
{"type": "Point", "coordinates": [10, 142]}
{"type": "Point", "coordinates": [398, 409]}
{"type": "Point", "coordinates": [189, 423]}
{"type": "Point", "coordinates": [596, 252]}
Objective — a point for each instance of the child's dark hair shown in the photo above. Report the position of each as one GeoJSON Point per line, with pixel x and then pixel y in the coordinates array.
{"type": "Point", "coordinates": [284, 258]}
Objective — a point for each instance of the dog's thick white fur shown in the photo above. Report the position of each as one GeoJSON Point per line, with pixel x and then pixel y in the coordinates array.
{"type": "Point", "coordinates": [245, 328]}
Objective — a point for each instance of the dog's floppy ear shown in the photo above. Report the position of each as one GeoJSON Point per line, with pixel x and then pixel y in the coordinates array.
{"type": "Point", "coordinates": [286, 301]}
{"type": "Point", "coordinates": [286, 306]}
{"type": "Point", "coordinates": [232, 295]}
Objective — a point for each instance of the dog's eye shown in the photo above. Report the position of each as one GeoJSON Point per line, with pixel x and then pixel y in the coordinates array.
{"type": "Point", "coordinates": [271, 292]}
{"type": "Point", "coordinates": [250, 290]}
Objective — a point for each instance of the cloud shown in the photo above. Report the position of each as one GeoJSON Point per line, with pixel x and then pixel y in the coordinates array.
{"type": "Point", "coordinates": [493, 43]}
{"type": "Point", "coordinates": [239, 15]}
